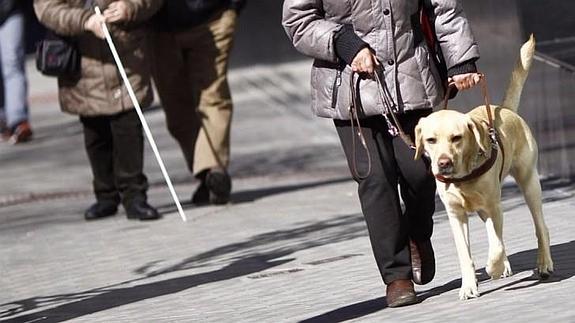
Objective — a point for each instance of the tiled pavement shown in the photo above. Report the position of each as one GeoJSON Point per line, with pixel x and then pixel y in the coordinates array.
{"type": "Point", "coordinates": [291, 247]}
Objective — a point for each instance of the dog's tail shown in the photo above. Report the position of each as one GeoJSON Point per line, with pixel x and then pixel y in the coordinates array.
{"type": "Point", "coordinates": [519, 75]}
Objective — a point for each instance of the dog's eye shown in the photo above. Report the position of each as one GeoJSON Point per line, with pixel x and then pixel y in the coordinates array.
{"type": "Point", "coordinates": [431, 140]}
{"type": "Point", "coordinates": [456, 138]}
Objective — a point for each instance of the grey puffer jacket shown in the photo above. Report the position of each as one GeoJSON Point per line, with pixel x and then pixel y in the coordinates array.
{"type": "Point", "coordinates": [392, 31]}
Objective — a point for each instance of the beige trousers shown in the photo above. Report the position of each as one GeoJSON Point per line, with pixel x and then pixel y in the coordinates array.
{"type": "Point", "coordinates": [190, 73]}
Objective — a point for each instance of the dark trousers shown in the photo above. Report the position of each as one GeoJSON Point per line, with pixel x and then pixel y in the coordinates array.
{"type": "Point", "coordinates": [115, 148]}
{"type": "Point", "coordinates": [390, 227]}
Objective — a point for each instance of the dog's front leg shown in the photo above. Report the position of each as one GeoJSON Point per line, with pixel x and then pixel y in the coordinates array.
{"type": "Point", "coordinates": [459, 226]}
{"type": "Point", "coordinates": [497, 263]}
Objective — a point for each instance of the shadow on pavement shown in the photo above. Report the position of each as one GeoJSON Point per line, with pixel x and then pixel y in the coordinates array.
{"type": "Point", "coordinates": [564, 266]}
{"type": "Point", "coordinates": [564, 261]}
{"type": "Point", "coordinates": [350, 312]}
{"type": "Point", "coordinates": [256, 254]}
{"type": "Point", "coordinates": [98, 300]}
{"type": "Point", "coordinates": [307, 236]}
{"type": "Point", "coordinates": [252, 195]}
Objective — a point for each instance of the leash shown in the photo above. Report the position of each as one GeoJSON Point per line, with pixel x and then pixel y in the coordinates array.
{"type": "Point", "coordinates": [354, 118]}
{"type": "Point", "coordinates": [494, 137]}
{"type": "Point", "coordinates": [394, 126]}
{"type": "Point", "coordinates": [388, 105]}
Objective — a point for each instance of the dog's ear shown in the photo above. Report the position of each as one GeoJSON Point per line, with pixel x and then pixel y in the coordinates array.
{"type": "Point", "coordinates": [418, 140]}
{"type": "Point", "coordinates": [476, 134]}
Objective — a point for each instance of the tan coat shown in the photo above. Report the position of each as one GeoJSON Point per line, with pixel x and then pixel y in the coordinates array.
{"type": "Point", "coordinates": [99, 90]}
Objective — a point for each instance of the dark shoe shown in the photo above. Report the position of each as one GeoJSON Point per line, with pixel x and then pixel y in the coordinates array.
{"type": "Point", "coordinates": [21, 133]}
{"type": "Point", "coordinates": [422, 261]}
{"type": "Point", "coordinates": [101, 209]}
{"type": "Point", "coordinates": [141, 210]}
{"type": "Point", "coordinates": [215, 188]}
{"type": "Point", "coordinates": [400, 293]}
{"type": "Point", "coordinates": [202, 195]}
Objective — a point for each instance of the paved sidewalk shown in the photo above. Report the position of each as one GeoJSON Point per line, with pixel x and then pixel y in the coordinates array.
{"type": "Point", "coordinates": [292, 247]}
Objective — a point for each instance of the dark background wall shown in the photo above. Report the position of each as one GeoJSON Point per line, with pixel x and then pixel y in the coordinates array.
{"type": "Point", "coordinates": [261, 38]}
{"type": "Point", "coordinates": [548, 99]}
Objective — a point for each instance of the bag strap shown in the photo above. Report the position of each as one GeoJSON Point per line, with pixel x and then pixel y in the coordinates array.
{"type": "Point", "coordinates": [427, 28]}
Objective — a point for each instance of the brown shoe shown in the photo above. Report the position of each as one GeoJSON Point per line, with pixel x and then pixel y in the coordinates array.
{"type": "Point", "coordinates": [21, 133]}
{"type": "Point", "coordinates": [400, 293]}
{"type": "Point", "coordinates": [422, 261]}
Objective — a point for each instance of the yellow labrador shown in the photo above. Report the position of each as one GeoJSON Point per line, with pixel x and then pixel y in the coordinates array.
{"type": "Point", "coordinates": [457, 144]}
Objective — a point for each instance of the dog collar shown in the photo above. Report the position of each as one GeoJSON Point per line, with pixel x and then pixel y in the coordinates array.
{"type": "Point", "coordinates": [483, 168]}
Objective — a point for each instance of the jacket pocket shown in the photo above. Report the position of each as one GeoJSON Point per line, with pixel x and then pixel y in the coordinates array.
{"type": "Point", "coordinates": [326, 80]}
{"type": "Point", "coordinates": [335, 89]}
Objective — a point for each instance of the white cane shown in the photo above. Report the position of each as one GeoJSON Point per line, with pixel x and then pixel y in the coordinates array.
{"type": "Point", "coordinates": [141, 116]}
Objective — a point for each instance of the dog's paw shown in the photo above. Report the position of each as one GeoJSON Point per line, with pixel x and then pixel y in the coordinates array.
{"type": "Point", "coordinates": [468, 291]}
{"type": "Point", "coordinates": [544, 268]}
{"type": "Point", "coordinates": [496, 270]}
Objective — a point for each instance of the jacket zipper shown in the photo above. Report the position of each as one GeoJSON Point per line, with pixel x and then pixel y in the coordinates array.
{"type": "Point", "coordinates": [335, 89]}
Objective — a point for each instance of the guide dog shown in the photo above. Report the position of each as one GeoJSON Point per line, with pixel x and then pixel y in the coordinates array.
{"type": "Point", "coordinates": [457, 145]}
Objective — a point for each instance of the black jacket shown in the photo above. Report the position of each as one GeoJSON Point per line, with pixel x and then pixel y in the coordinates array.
{"type": "Point", "coordinates": [6, 8]}
{"type": "Point", "coordinates": [182, 14]}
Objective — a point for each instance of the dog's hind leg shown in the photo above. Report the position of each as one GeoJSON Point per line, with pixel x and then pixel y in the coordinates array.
{"type": "Point", "coordinates": [497, 263]}
{"type": "Point", "coordinates": [528, 180]}
{"type": "Point", "coordinates": [460, 230]}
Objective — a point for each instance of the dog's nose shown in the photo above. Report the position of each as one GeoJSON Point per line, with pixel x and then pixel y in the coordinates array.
{"type": "Point", "coordinates": [444, 162]}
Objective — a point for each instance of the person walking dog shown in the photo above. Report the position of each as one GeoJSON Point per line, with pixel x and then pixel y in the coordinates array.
{"type": "Point", "coordinates": [384, 44]}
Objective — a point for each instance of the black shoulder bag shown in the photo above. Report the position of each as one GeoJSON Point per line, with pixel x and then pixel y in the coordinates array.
{"type": "Point", "coordinates": [58, 55]}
